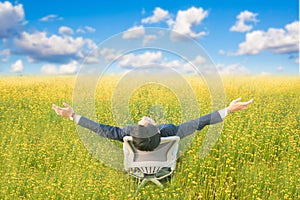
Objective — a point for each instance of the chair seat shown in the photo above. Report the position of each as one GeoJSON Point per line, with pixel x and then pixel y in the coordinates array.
{"type": "Point", "coordinates": [151, 165]}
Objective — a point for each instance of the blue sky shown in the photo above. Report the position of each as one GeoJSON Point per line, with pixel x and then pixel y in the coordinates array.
{"type": "Point", "coordinates": [241, 37]}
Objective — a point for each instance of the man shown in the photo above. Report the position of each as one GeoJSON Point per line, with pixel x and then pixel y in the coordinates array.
{"type": "Point", "coordinates": [146, 134]}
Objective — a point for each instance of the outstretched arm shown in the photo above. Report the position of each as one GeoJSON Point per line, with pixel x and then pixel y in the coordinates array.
{"type": "Point", "coordinates": [191, 126]}
{"type": "Point", "coordinates": [106, 131]}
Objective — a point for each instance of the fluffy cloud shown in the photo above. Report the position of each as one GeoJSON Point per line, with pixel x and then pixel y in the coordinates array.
{"type": "Point", "coordinates": [90, 29]}
{"type": "Point", "coordinates": [232, 69]}
{"type": "Point", "coordinates": [12, 19]}
{"type": "Point", "coordinates": [157, 58]}
{"type": "Point", "coordinates": [199, 60]}
{"type": "Point", "coordinates": [243, 17]}
{"type": "Point", "coordinates": [186, 20]}
{"type": "Point", "coordinates": [51, 17]}
{"type": "Point", "coordinates": [49, 69]}
{"type": "Point", "coordinates": [39, 47]}
{"type": "Point", "coordinates": [193, 65]}
{"type": "Point", "coordinates": [140, 60]}
{"type": "Point", "coordinates": [278, 41]}
{"type": "Point", "coordinates": [149, 38]}
{"type": "Point", "coordinates": [134, 32]}
{"type": "Point", "coordinates": [158, 16]}
{"type": "Point", "coordinates": [148, 58]}
{"type": "Point", "coordinates": [64, 30]}
{"type": "Point", "coordinates": [185, 23]}
{"type": "Point", "coordinates": [109, 54]}
{"type": "Point", "coordinates": [172, 64]}
{"type": "Point", "coordinates": [69, 68]}
{"type": "Point", "coordinates": [17, 66]}
{"type": "Point", "coordinates": [5, 54]}
{"type": "Point", "coordinates": [86, 29]}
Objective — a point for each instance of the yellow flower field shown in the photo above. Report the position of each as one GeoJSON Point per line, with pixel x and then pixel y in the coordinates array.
{"type": "Point", "coordinates": [256, 157]}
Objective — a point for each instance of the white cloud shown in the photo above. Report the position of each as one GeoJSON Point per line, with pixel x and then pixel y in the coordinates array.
{"type": "Point", "coordinates": [5, 54]}
{"type": "Point", "coordinates": [51, 17]}
{"type": "Point", "coordinates": [170, 22]}
{"type": "Point", "coordinates": [172, 64]}
{"type": "Point", "coordinates": [140, 60]}
{"type": "Point", "coordinates": [109, 54]}
{"type": "Point", "coordinates": [148, 58]}
{"type": "Point", "coordinates": [243, 17]}
{"type": "Point", "coordinates": [86, 29]}
{"type": "Point", "coordinates": [80, 30]}
{"type": "Point", "coordinates": [186, 20]}
{"type": "Point", "coordinates": [64, 30]}
{"type": "Point", "coordinates": [39, 47]}
{"type": "Point", "coordinates": [158, 16]}
{"type": "Point", "coordinates": [49, 69]}
{"type": "Point", "coordinates": [69, 68]}
{"type": "Point", "coordinates": [278, 41]}
{"type": "Point", "coordinates": [232, 69]}
{"type": "Point", "coordinates": [134, 32]}
{"type": "Point", "coordinates": [90, 29]}
{"type": "Point", "coordinates": [185, 24]}
{"type": "Point", "coordinates": [17, 66]}
{"type": "Point", "coordinates": [199, 60]}
{"type": "Point", "coordinates": [297, 60]}
{"type": "Point", "coordinates": [148, 38]}
{"type": "Point", "coordinates": [280, 68]}
{"type": "Point", "coordinates": [11, 18]}
{"type": "Point", "coordinates": [90, 44]}
{"type": "Point", "coordinates": [196, 63]}
{"type": "Point", "coordinates": [91, 59]}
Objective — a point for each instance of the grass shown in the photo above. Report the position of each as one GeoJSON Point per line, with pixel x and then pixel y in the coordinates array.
{"type": "Point", "coordinates": [256, 157]}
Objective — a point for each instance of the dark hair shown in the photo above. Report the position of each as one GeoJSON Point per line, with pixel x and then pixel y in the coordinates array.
{"type": "Point", "coordinates": [146, 138]}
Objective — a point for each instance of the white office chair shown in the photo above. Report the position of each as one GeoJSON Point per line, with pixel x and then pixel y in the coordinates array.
{"type": "Point", "coordinates": [151, 165]}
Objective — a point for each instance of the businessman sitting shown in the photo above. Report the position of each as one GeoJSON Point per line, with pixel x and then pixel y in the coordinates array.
{"type": "Point", "coordinates": [146, 134]}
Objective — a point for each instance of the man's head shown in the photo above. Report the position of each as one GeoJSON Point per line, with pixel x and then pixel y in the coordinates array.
{"type": "Point", "coordinates": [146, 136]}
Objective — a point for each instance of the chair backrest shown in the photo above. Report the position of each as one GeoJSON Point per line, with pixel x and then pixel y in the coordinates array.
{"type": "Point", "coordinates": [150, 162]}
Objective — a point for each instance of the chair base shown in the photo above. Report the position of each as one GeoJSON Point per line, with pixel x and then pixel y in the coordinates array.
{"type": "Point", "coordinates": [146, 180]}
{"type": "Point", "coordinates": [163, 174]}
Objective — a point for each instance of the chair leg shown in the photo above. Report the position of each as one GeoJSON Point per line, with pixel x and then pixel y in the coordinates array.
{"type": "Point", "coordinates": [140, 186]}
{"type": "Point", "coordinates": [146, 180]}
{"type": "Point", "coordinates": [156, 182]}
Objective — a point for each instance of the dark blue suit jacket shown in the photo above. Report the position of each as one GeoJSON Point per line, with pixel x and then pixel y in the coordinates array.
{"type": "Point", "coordinates": [183, 130]}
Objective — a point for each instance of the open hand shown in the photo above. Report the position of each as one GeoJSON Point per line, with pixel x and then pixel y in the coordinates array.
{"type": "Point", "coordinates": [65, 112]}
{"type": "Point", "coordinates": [236, 105]}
